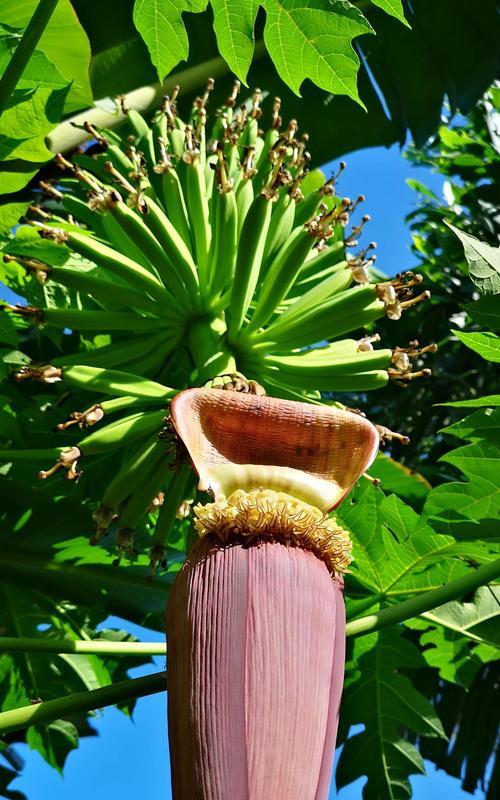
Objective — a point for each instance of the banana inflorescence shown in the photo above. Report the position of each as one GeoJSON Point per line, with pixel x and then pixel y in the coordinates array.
{"type": "Point", "coordinates": [198, 254]}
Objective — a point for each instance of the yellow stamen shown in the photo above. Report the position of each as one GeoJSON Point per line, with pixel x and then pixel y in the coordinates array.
{"type": "Point", "coordinates": [266, 513]}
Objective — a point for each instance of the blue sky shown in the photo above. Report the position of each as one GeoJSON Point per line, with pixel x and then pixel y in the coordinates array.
{"type": "Point", "coordinates": [131, 758]}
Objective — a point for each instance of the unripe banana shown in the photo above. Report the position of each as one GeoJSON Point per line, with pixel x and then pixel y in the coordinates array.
{"type": "Point", "coordinates": [224, 244]}
{"type": "Point", "coordinates": [280, 227]}
{"type": "Point", "coordinates": [122, 243]}
{"type": "Point", "coordinates": [98, 320]}
{"type": "Point", "coordinates": [112, 261]}
{"type": "Point", "coordinates": [102, 290]}
{"type": "Point", "coordinates": [307, 365]}
{"type": "Point", "coordinates": [115, 355]}
{"type": "Point", "coordinates": [130, 473]}
{"type": "Point", "coordinates": [175, 205]}
{"type": "Point", "coordinates": [173, 245]}
{"type": "Point", "coordinates": [115, 382]}
{"type": "Point", "coordinates": [175, 493]}
{"type": "Point", "coordinates": [138, 232]}
{"type": "Point", "coordinates": [120, 433]}
{"type": "Point", "coordinates": [313, 299]}
{"type": "Point", "coordinates": [244, 199]}
{"type": "Point", "coordinates": [197, 205]}
{"type": "Point", "coordinates": [357, 382]}
{"type": "Point", "coordinates": [281, 276]}
{"type": "Point", "coordinates": [249, 259]}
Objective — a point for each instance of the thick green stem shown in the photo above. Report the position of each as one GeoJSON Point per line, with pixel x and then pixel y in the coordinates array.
{"type": "Point", "coordinates": [139, 687]}
{"type": "Point", "coordinates": [426, 601]}
{"type": "Point", "coordinates": [67, 137]}
{"type": "Point", "coordinates": [101, 647]}
{"type": "Point", "coordinates": [72, 704]}
{"type": "Point", "coordinates": [24, 50]}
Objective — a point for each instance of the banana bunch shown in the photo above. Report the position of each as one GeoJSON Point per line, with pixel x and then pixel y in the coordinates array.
{"type": "Point", "coordinates": [197, 254]}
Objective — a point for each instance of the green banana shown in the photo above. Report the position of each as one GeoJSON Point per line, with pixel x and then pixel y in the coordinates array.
{"type": "Point", "coordinates": [115, 382]}
{"type": "Point", "coordinates": [197, 205]}
{"type": "Point", "coordinates": [280, 227]}
{"type": "Point", "coordinates": [173, 244]}
{"type": "Point", "coordinates": [225, 224]}
{"type": "Point", "coordinates": [98, 320]}
{"type": "Point", "coordinates": [249, 259]}
{"type": "Point", "coordinates": [120, 404]}
{"type": "Point", "coordinates": [120, 433]}
{"type": "Point", "coordinates": [313, 299]}
{"type": "Point", "coordinates": [130, 473]}
{"type": "Point", "coordinates": [144, 492]}
{"type": "Point", "coordinates": [123, 244]}
{"type": "Point", "coordinates": [244, 199]}
{"type": "Point", "coordinates": [281, 276]}
{"type": "Point", "coordinates": [118, 264]}
{"type": "Point", "coordinates": [139, 233]}
{"type": "Point", "coordinates": [115, 355]}
{"type": "Point", "coordinates": [174, 495]}
{"type": "Point", "coordinates": [307, 365]}
{"type": "Point", "coordinates": [175, 205]}
{"type": "Point", "coordinates": [87, 281]}
{"type": "Point", "coordinates": [343, 304]}
{"type": "Point", "coordinates": [357, 382]}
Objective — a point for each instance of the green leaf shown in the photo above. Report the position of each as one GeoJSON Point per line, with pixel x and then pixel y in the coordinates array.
{"type": "Point", "coordinates": [40, 72]}
{"type": "Point", "coordinates": [15, 174]}
{"type": "Point", "coordinates": [312, 39]}
{"type": "Point", "coordinates": [482, 426]}
{"type": "Point", "coordinates": [64, 42]}
{"type": "Point", "coordinates": [459, 637]}
{"type": "Point", "coordinates": [28, 676]}
{"type": "Point", "coordinates": [397, 478]}
{"type": "Point", "coordinates": [395, 552]}
{"type": "Point", "coordinates": [6, 778]}
{"type": "Point", "coordinates": [483, 261]}
{"type": "Point", "coordinates": [478, 619]}
{"type": "Point", "coordinates": [161, 26]}
{"type": "Point", "coordinates": [234, 22]}
{"type": "Point", "coordinates": [486, 312]}
{"type": "Point", "coordinates": [486, 344]}
{"type": "Point", "coordinates": [476, 402]}
{"type": "Point", "coordinates": [10, 213]}
{"type": "Point", "coordinates": [383, 699]}
{"type": "Point", "coordinates": [8, 332]}
{"type": "Point", "coordinates": [471, 509]}
{"type": "Point", "coordinates": [421, 188]}
{"type": "Point", "coordinates": [393, 7]}
{"type": "Point", "coordinates": [34, 118]}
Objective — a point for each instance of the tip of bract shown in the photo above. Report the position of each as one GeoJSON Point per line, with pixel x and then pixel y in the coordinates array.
{"type": "Point", "coordinates": [242, 441]}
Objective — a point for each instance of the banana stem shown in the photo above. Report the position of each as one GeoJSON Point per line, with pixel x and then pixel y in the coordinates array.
{"type": "Point", "coordinates": [67, 137]}
{"type": "Point", "coordinates": [100, 647]}
{"type": "Point", "coordinates": [24, 49]}
{"type": "Point", "coordinates": [69, 705]}
{"type": "Point", "coordinates": [26, 716]}
{"type": "Point", "coordinates": [426, 601]}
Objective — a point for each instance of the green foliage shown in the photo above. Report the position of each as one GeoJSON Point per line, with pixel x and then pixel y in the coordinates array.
{"type": "Point", "coordinates": [482, 259]}
{"type": "Point", "coordinates": [159, 22]}
{"type": "Point", "coordinates": [464, 153]}
{"type": "Point", "coordinates": [64, 44]}
{"type": "Point", "coordinates": [34, 677]}
{"type": "Point", "coordinates": [379, 696]}
{"type": "Point", "coordinates": [408, 686]}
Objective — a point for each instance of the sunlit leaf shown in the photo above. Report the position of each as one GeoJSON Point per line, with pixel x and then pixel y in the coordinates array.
{"type": "Point", "coordinates": [311, 39]}
{"type": "Point", "coordinates": [483, 261]}
{"type": "Point", "coordinates": [161, 26]}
